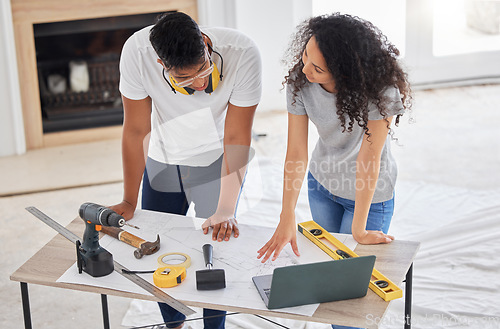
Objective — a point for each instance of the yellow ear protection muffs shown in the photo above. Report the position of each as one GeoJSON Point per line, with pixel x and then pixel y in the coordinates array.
{"type": "Point", "coordinates": [213, 79]}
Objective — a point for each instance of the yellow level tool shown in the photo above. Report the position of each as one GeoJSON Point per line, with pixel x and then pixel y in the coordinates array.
{"type": "Point", "coordinates": [379, 283]}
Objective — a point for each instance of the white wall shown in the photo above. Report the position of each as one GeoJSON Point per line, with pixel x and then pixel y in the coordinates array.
{"type": "Point", "coordinates": [12, 139]}
{"type": "Point", "coordinates": [437, 47]}
{"type": "Point", "coordinates": [427, 70]}
{"type": "Point", "coordinates": [270, 24]}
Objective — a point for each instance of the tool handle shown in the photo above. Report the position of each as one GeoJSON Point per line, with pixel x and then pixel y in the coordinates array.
{"type": "Point", "coordinates": [131, 239]}
{"type": "Point", "coordinates": [90, 238]}
{"type": "Point", "coordinates": [112, 231]}
{"type": "Point", "coordinates": [122, 235]}
{"type": "Point", "coordinates": [208, 250]}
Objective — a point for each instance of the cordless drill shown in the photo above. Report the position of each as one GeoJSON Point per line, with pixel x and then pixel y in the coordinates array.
{"type": "Point", "coordinates": [91, 257]}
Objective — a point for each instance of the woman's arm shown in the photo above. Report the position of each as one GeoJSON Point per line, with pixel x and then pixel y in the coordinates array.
{"type": "Point", "coordinates": [294, 171]}
{"type": "Point", "coordinates": [367, 172]}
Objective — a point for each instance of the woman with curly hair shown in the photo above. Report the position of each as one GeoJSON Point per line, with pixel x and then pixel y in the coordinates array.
{"type": "Point", "coordinates": [346, 79]}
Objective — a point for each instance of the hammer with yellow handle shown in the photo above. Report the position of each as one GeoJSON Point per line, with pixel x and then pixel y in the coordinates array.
{"type": "Point", "coordinates": [143, 247]}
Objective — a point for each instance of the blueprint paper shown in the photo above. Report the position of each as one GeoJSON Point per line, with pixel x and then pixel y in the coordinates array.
{"type": "Point", "coordinates": [238, 258]}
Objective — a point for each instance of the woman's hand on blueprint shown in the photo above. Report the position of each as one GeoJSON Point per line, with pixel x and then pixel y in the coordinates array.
{"type": "Point", "coordinates": [222, 227]}
{"type": "Point", "coordinates": [285, 233]}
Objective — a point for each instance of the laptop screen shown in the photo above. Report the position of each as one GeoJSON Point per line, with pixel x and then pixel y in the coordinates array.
{"type": "Point", "coordinates": [317, 282]}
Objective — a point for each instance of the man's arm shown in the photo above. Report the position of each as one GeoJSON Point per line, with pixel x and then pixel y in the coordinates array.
{"type": "Point", "coordinates": [237, 140]}
{"type": "Point", "coordinates": [135, 141]}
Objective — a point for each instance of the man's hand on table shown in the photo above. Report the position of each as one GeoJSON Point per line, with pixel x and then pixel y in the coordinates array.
{"type": "Point", "coordinates": [222, 227]}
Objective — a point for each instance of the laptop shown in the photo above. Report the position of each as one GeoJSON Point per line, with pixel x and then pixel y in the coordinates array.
{"type": "Point", "coordinates": [316, 282]}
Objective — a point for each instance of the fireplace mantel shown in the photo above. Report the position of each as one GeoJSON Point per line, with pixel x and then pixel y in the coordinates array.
{"type": "Point", "coordinates": [25, 13]}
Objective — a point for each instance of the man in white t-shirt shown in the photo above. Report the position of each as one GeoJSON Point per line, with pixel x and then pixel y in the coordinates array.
{"type": "Point", "coordinates": [189, 98]}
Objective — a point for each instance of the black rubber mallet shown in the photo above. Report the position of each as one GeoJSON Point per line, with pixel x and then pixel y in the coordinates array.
{"type": "Point", "coordinates": [209, 279]}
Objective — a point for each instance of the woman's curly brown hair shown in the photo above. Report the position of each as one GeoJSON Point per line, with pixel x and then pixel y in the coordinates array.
{"type": "Point", "coordinates": [362, 61]}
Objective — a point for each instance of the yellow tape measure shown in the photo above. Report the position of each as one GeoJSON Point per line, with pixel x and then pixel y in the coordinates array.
{"type": "Point", "coordinates": [166, 277]}
{"type": "Point", "coordinates": [172, 269]}
{"type": "Point", "coordinates": [379, 283]}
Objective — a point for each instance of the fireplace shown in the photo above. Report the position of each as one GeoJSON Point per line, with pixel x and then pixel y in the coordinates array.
{"type": "Point", "coordinates": [78, 70]}
{"type": "Point", "coordinates": [61, 112]}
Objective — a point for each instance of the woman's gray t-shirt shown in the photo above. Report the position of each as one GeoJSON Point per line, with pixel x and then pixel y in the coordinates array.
{"type": "Point", "coordinates": [333, 161]}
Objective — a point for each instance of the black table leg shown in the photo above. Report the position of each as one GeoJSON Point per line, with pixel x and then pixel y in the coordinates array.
{"type": "Point", "coordinates": [408, 293]}
{"type": "Point", "coordinates": [105, 313]}
{"type": "Point", "coordinates": [26, 305]}
{"type": "Point", "coordinates": [27, 313]}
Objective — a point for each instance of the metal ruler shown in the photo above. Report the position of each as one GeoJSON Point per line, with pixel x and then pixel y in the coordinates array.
{"type": "Point", "coordinates": [379, 283]}
{"type": "Point", "coordinates": [155, 291]}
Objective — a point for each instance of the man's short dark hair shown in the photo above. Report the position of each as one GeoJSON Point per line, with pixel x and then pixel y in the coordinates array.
{"type": "Point", "coordinates": [177, 40]}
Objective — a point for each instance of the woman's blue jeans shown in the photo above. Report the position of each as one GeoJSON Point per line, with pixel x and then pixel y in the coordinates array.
{"type": "Point", "coordinates": [335, 214]}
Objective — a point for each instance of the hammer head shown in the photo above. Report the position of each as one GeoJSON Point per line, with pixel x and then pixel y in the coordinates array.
{"type": "Point", "coordinates": [147, 248]}
{"type": "Point", "coordinates": [210, 279]}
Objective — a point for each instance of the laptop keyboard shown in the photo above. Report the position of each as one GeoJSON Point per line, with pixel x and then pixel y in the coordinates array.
{"type": "Point", "coordinates": [267, 292]}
